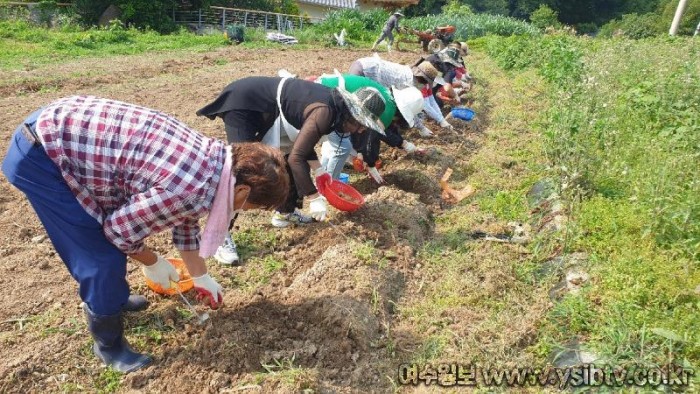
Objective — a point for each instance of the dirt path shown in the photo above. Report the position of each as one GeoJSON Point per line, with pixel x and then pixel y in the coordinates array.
{"type": "Point", "coordinates": [330, 307]}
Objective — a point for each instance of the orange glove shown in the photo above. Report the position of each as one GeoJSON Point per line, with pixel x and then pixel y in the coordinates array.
{"type": "Point", "coordinates": [358, 164]}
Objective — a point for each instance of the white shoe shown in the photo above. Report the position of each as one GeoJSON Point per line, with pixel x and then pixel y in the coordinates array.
{"type": "Point", "coordinates": [227, 254]}
{"type": "Point", "coordinates": [282, 220]}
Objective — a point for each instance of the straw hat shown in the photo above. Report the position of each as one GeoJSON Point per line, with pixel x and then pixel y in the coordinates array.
{"type": "Point", "coordinates": [427, 71]}
{"type": "Point", "coordinates": [365, 105]}
{"type": "Point", "coordinates": [464, 49]}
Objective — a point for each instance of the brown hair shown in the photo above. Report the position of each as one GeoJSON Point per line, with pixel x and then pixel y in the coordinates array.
{"type": "Point", "coordinates": [263, 168]}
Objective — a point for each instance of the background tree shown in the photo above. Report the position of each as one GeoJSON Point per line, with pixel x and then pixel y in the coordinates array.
{"type": "Point", "coordinates": [495, 7]}
{"type": "Point", "coordinates": [456, 8]}
{"type": "Point", "coordinates": [544, 17]}
{"type": "Point", "coordinates": [425, 7]}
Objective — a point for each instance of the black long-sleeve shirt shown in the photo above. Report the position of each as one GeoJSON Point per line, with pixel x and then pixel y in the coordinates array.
{"type": "Point", "coordinates": [369, 143]}
{"type": "Point", "coordinates": [310, 107]}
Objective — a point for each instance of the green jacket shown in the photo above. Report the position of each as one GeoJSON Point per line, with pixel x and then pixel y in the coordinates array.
{"type": "Point", "coordinates": [355, 82]}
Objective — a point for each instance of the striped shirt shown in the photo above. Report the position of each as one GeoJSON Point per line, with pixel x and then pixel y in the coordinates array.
{"type": "Point", "coordinates": [137, 171]}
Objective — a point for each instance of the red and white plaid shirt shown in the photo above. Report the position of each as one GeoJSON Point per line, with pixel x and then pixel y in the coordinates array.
{"type": "Point", "coordinates": [136, 170]}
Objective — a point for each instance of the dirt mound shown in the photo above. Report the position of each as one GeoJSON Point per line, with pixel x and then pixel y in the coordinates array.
{"type": "Point", "coordinates": [331, 317]}
{"type": "Point", "coordinates": [397, 215]}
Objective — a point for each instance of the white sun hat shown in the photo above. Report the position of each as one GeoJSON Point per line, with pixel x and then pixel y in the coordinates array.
{"type": "Point", "coordinates": [409, 101]}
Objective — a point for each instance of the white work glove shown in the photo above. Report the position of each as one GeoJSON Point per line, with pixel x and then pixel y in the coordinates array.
{"type": "Point", "coordinates": [408, 146]}
{"type": "Point", "coordinates": [375, 175]}
{"type": "Point", "coordinates": [209, 291]}
{"type": "Point", "coordinates": [318, 207]}
{"type": "Point", "coordinates": [425, 132]}
{"type": "Point", "coordinates": [162, 273]}
{"type": "Point", "coordinates": [444, 123]}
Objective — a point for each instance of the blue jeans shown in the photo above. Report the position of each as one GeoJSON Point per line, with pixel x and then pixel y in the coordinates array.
{"type": "Point", "coordinates": [94, 262]}
{"type": "Point", "coordinates": [342, 146]}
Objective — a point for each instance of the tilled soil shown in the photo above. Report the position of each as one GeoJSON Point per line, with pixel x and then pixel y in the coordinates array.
{"type": "Point", "coordinates": [326, 307]}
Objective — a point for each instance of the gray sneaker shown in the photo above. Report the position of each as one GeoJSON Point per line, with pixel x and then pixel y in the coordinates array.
{"type": "Point", "coordinates": [285, 219]}
{"type": "Point", "coordinates": [227, 254]}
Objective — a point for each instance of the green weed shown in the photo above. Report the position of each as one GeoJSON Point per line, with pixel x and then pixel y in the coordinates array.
{"type": "Point", "coordinates": [507, 205]}
{"type": "Point", "coordinates": [286, 372]}
{"type": "Point", "coordinates": [108, 381]}
{"type": "Point", "coordinates": [254, 241]}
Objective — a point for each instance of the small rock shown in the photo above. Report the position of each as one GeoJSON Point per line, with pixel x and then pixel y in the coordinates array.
{"type": "Point", "coordinates": [43, 265]}
{"type": "Point", "coordinates": [39, 238]}
{"type": "Point", "coordinates": [587, 357]}
{"type": "Point", "coordinates": [219, 380]}
{"type": "Point", "coordinates": [287, 282]}
{"type": "Point", "coordinates": [571, 354]}
{"type": "Point", "coordinates": [575, 280]}
{"type": "Point", "coordinates": [540, 191]}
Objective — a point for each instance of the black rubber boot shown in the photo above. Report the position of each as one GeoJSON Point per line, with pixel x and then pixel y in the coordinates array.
{"type": "Point", "coordinates": [110, 345]}
{"type": "Point", "coordinates": [136, 303]}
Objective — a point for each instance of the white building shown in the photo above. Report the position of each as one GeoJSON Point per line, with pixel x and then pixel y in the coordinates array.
{"type": "Point", "coordinates": [319, 8]}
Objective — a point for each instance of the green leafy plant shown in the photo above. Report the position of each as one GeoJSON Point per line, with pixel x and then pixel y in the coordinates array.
{"type": "Point", "coordinates": [544, 17]}
{"type": "Point", "coordinates": [474, 26]}
{"type": "Point", "coordinates": [633, 26]}
{"type": "Point", "coordinates": [456, 8]}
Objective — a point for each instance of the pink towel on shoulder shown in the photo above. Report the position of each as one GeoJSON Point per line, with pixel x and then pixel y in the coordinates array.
{"type": "Point", "coordinates": [221, 211]}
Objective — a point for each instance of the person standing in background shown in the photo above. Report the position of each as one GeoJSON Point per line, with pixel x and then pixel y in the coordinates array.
{"type": "Point", "coordinates": [391, 24]}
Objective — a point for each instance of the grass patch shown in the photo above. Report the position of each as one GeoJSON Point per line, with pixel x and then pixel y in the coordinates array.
{"type": "Point", "coordinates": [289, 375]}
{"type": "Point", "coordinates": [26, 46]}
{"type": "Point", "coordinates": [258, 272]}
{"type": "Point", "coordinates": [636, 287]}
{"type": "Point", "coordinates": [623, 143]}
{"type": "Point", "coordinates": [506, 205]}
{"type": "Point", "coordinates": [108, 381]}
{"type": "Point", "coordinates": [254, 241]}
{"type": "Point", "coordinates": [474, 305]}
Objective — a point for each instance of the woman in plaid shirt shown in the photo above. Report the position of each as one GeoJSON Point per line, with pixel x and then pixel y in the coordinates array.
{"type": "Point", "coordinates": [103, 175]}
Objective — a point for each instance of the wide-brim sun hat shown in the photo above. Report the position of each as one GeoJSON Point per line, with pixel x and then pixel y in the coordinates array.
{"type": "Point", "coordinates": [409, 101]}
{"type": "Point", "coordinates": [464, 49]}
{"type": "Point", "coordinates": [427, 71]}
{"type": "Point", "coordinates": [365, 106]}
{"type": "Point", "coordinates": [450, 55]}
{"type": "Point", "coordinates": [398, 13]}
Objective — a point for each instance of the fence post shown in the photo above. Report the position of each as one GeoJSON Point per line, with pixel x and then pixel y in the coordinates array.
{"type": "Point", "coordinates": [223, 20]}
{"type": "Point", "coordinates": [199, 20]}
{"type": "Point", "coordinates": [265, 21]}
{"type": "Point", "coordinates": [174, 21]}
